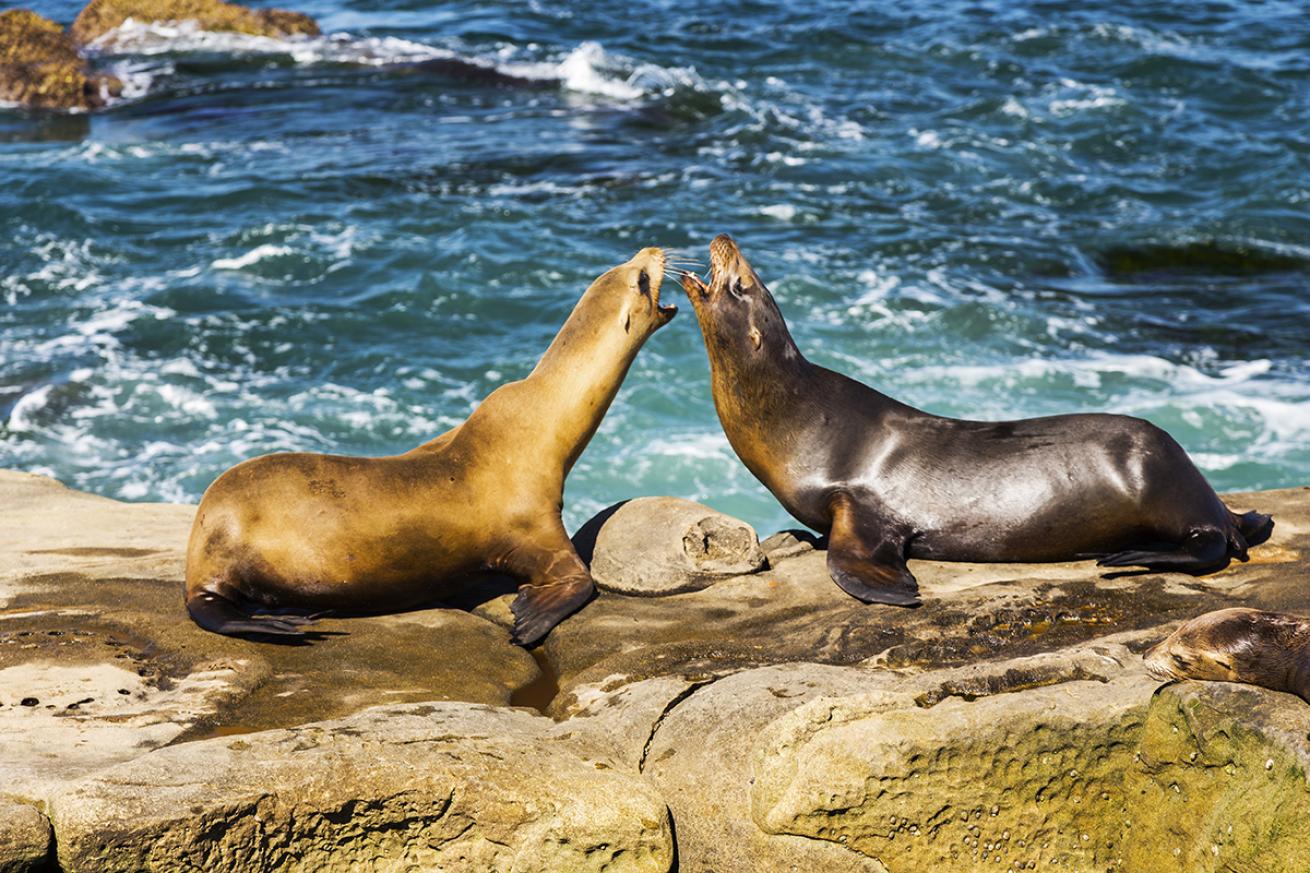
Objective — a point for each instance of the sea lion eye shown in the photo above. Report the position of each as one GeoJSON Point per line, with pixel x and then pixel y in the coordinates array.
{"type": "Point", "coordinates": [737, 287]}
{"type": "Point", "coordinates": [643, 283]}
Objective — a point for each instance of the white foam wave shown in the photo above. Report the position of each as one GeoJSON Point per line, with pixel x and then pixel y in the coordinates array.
{"type": "Point", "coordinates": [20, 417]}
{"type": "Point", "coordinates": [254, 256]}
{"type": "Point", "coordinates": [587, 69]}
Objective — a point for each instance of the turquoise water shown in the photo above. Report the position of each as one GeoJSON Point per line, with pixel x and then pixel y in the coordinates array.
{"type": "Point", "coordinates": [990, 210]}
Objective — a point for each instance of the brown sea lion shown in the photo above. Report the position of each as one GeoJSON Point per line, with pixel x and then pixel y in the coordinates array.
{"type": "Point", "coordinates": [1269, 649]}
{"type": "Point", "coordinates": [329, 532]}
{"type": "Point", "coordinates": [888, 482]}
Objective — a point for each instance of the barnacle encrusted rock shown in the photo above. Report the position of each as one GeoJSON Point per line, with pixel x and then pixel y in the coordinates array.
{"type": "Point", "coordinates": [40, 67]}
{"type": "Point", "coordinates": [101, 16]}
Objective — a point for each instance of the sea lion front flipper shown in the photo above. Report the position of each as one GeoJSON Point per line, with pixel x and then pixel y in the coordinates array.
{"type": "Point", "coordinates": [559, 585]}
{"type": "Point", "coordinates": [866, 558]}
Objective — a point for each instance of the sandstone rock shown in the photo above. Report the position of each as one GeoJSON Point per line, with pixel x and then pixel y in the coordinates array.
{"type": "Point", "coordinates": [699, 757]}
{"type": "Point", "coordinates": [666, 545]}
{"type": "Point", "coordinates": [1012, 778]}
{"type": "Point", "coordinates": [442, 786]}
{"type": "Point", "coordinates": [24, 838]}
{"type": "Point", "coordinates": [94, 635]}
{"type": "Point", "coordinates": [41, 69]}
{"type": "Point", "coordinates": [972, 613]}
{"type": "Point", "coordinates": [1219, 782]}
{"type": "Point", "coordinates": [1016, 694]}
{"type": "Point", "coordinates": [101, 16]}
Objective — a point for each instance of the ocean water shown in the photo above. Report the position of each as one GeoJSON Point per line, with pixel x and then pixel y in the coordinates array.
{"type": "Point", "coordinates": [986, 209]}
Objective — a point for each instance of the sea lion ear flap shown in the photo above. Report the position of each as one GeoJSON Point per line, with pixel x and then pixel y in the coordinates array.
{"type": "Point", "coordinates": [757, 339]}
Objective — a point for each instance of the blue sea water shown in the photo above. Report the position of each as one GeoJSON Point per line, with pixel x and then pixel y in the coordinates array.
{"type": "Point", "coordinates": [985, 209]}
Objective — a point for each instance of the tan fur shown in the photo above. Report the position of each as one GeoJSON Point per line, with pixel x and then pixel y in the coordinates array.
{"type": "Point", "coordinates": [1252, 646]}
{"type": "Point", "coordinates": [374, 534]}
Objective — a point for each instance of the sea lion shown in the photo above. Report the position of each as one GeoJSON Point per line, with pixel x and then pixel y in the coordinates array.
{"type": "Point", "coordinates": [888, 482]}
{"type": "Point", "coordinates": [350, 534]}
{"type": "Point", "coordinates": [1269, 649]}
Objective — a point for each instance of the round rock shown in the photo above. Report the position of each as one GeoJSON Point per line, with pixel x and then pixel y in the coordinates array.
{"type": "Point", "coordinates": [665, 545]}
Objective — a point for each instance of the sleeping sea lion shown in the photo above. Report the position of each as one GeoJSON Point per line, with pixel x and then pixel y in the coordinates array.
{"type": "Point", "coordinates": [1269, 649]}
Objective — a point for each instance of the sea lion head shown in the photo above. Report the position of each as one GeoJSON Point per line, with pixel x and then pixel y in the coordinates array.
{"type": "Point", "coordinates": [737, 314]}
{"type": "Point", "coordinates": [632, 291]}
{"type": "Point", "coordinates": [1236, 645]}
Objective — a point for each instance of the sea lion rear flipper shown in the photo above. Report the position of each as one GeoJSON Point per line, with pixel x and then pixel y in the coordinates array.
{"type": "Point", "coordinates": [1202, 551]}
{"type": "Point", "coordinates": [217, 614]}
{"type": "Point", "coordinates": [867, 559]}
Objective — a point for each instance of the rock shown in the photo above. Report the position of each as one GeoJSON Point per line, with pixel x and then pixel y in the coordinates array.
{"type": "Point", "coordinates": [665, 545]}
{"type": "Point", "coordinates": [972, 613]}
{"type": "Point", "coordinates": [423, 786]}
{"type": "Point", "coordinates": [92, 628]}
{"type": "Point", "coordinates": [101, 16]}
{"type": "Point", "coordinates": [40, 67]}
{"type": "Point", "coordinates": [1219, 782]}
{"type": "Point", "coordinates": [788, 544]}
{"type": "Point", "coordinates": [1033, 775]}
{"type": "Point", "coordinates": [699, 757]}
{"type": "Point", "coordinates": [24, 838]}
{"type": "Point", "coordinates": [1008, 720]}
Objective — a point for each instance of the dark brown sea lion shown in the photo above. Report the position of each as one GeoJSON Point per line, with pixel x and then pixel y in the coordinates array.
{"type": "Point", "coordinates": [328, 532]}
{"type": "Point", "coordinates": [1269, 649]}
{"type": "Point", "coordinates": [889, 482]}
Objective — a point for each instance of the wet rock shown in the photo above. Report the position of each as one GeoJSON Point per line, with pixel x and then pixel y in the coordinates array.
{"type": "Point", "coordinates": [40, 67]}
{"type": "Point", "coordinates": [1219, 782]}
{"type": "Point", "coordinates": [446, 786]}
{"type": "Point", "coordinates": [666, 545]}
{"type": "Point", "coordinates": [101, 16]}
{"type": "Point", "coordinates": [24, 838]}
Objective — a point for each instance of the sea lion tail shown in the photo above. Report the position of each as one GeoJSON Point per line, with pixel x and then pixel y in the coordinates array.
{"type": "Point", "coordinates": [217, 614]}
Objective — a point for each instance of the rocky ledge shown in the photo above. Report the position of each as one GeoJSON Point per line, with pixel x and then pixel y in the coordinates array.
{"type": "Point", "coordinates": [762, 720]}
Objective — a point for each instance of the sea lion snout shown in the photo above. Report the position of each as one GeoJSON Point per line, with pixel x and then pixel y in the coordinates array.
{"type": "Point", "coordinates": [729, 272]}
{"type": "Point", "coordinates": [1237, 645]}
{"type": "Point", "coordinates": [637, 284]}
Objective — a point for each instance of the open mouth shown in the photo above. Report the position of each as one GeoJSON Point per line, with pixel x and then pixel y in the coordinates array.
{"type": "Point", "coordinates": [666, 312]}
{"type": "Point", "coordinates": [722, 252]}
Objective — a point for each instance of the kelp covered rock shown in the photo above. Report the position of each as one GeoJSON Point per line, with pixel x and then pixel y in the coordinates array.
{"type": "Point", "coordinates": [40, 67]}
{"type": "Point", "coordinates": [101, 16]}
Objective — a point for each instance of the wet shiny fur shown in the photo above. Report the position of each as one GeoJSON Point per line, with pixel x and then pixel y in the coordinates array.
{"type": "Point", "coordinates": [890, 482]}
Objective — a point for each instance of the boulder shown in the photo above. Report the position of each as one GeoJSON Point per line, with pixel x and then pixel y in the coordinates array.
{"type": "Point", "coordinates": [652, 546]}
{"type": "Point", "coordinates": [101, 16]}
{"type": "Point", "coordinates": [40, 67]}
{"type": "Point", "coordinates": [24, 838]}
{"type": "Point", "coordinates": [451, 786]}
